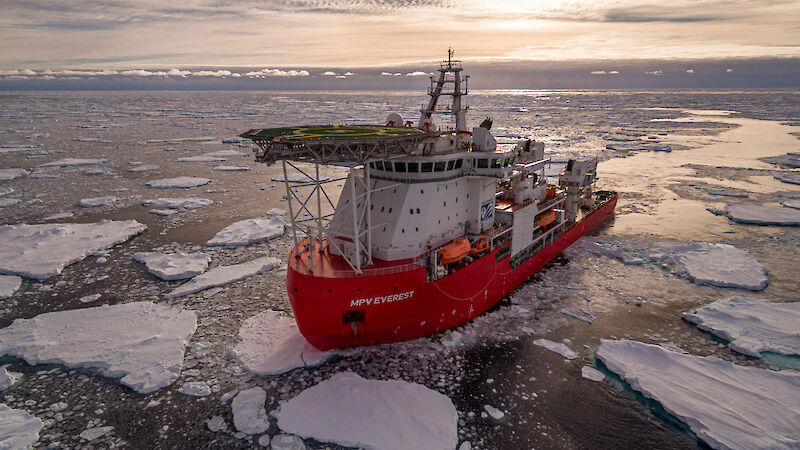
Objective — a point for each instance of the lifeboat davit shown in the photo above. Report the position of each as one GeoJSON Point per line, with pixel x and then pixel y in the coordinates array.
{"type": "Point", "coordinates": [454, 251]}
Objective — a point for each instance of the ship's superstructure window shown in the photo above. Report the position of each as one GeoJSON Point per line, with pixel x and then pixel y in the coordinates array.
{"type": "Point", "coordinates": [439, 166]}
{"type": "Point", "coordinates": [399, 167]}
{"type": "Point", "coordinates": [451, 164]}
{"type": "Point", "coordinates": [379, 165]}
{"type": "Point", "coordinates": [413, 167]}
{"type": "Point", "coordinates": [483, 163]}
{"type": "Point", "coordinates": [458, 163]}
{"type": "Point", "coordinates": [427, 167]}
{"type": "Point", "coordinates": [387, 166]}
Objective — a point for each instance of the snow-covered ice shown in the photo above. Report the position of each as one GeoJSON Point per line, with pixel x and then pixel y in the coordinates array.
{"type": "Point", "coordinates": [178, 182]}
{"type": "Point", "coordinates": [590, 373]}
{"type": "Point", "coordinates": [18, 429]}
{"type": "Point", "coordinates": [195, 389]}
{"type": "Point", "coordinates": [97, 171]}
{"type": "Point", "coordinates": [794, 203]}
{"type": "Point", "coordinates": [42, 251]}
{"type": "Point", "coordinates": [249, 231]}
{"type": "Point", "coordinates": [216, 423]}
{"type": "Point", "coordinates": [277, 212]}
{"type": "Point", "coordinates": [725, 405]}
{"type": "Point", "coordinates": [10, 174]}
{"type": "Point", "coordinates": [143, 168]}
{"type": "Point", "coordinates": [763, 215]}
{"type": "Point", "coordinates": [141, 342]}
{"type": "Point", "coordinates": [271, 344]}
{"type": "Point", "coordinates": [91, 434]}
{"type": "Point", "coordinates": [355, 412]}
{"type": "Point", "coordinates": [716, 264]}
{"type": "Point", "coordinates": [231, 168]}
{"type": "Point", "coordinates": [174, 266]}
{"type": "Point", "coordinates": [8, 285]}
{"type": "Point", "coordinates": [178, 202]}
{"type": "Point", "coordinates": [557, 347]}
{"type": "Point", "coordinates": [73, 162]}
{"type": "Point", "coordinates": [95, 202]}
{"type": "Point", "coordinates": [201, 158]}
{"type": "Point", "coordinates": [249, 415]}
{"type": "Point", "coordinates": [8, 201]}
{"type": "Point", "coordinates": [8, 378]}
{"type": "Point", "coordinates": [751, 326]}
{"type": "Point", "coordinates": [285, 442]}
{"type": "Point", "coordinates": [222, 275]}
{"type": "Point", "coordinates": [163, 212]}
{"type": "Point", "coordinates": [790, 177]}
{"type": "Point", "coordinates": [494, 413]}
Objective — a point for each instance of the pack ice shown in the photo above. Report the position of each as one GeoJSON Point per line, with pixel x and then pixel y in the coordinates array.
{"type": "Point", "coordinates": [95, 202]}
{"type": "Point", "coordinates": [271, 344]}
{"type": "Point", "coordinates": [72, 162]}
{"type": "Point", "coordinates": [178, 182]}
{"type": "Point", "coordinates": [178, 202]}
{"type": "Point", "coordinates": [556, 347]}
{"type": "Point", "coordinates": [249, 415]}
{"type": "Point", "coordinates": [18, 429]}
{"type": "Point", "coordinates": [222, 275]}
{"type": "Point", "coordinates": [174, 266]}
{"type": "Point", "coordinates": [725, 405]}
{"type": "Point", "coordinates": [10, 174]}
{"type": "Point", "coordinates": [355, 412]}
{"type": "Point", "coordinates": [751, 326]}
{"type": "Point", "coordinates": [716, 264]}
{"type": "Point", "coordinates": [249, 231]}
{"type": "Point", "coordinates": [763, 215]}
{"type": "Point", "coordinates": [42, 251]}
{"type": "Point", "coordinates": [141, 342]}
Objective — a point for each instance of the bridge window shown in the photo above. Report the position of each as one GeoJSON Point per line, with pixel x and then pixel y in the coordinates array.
{"type": "Point", "coordinates": [387, 166]}
{"type": "Point", "coordinates": [483, 164]}
{"type": "Point", "coordinates": [458, 163]}
{"type": "Point", "coordinates": [451, 164]}
{"type": "Point", "coordinates": [427, 167]}
{"type": "Point", "coordinates": [439, 166]}
{"type": "Point", "coordinates": [411, 211]}
{"type": "Point", "coordinates": [417, 210]}
{"type": "Point", "coordinates": [372, 165]}
{"type": "Point", "coordinates": [399, 167]}
{"type": "Point", "coordinates": [413, 167]}
{"type": "Point", "coordinates": [379, 165]}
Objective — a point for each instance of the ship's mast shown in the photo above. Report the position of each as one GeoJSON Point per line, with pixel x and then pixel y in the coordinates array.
{"type": "Point", "coordinates": [460, 87]}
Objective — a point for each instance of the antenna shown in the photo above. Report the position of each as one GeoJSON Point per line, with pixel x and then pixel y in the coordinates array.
{"type": "Point", "coordinates": [449, 57]}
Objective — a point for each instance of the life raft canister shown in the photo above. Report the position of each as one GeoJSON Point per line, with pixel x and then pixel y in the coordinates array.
{"type": "Point", "coordinates": [454, 251]}
{"type": "Point", "coordinates": [481, 245]}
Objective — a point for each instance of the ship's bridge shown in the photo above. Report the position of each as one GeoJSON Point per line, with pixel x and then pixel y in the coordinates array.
{"type": "Point", "coordinates": [445, 167]}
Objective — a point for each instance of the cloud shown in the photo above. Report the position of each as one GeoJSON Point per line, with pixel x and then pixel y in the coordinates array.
{"type": "Point", "coordinates": [348, 74]}
{"type": "Point", "coordinates": [729, 70]}
{"type": "Point", "coordinates": [598, 72]}
{"type": "Point", "coordinates": [655, 73]}
{"type": "Point", "coordinates": [209, 73]}
{"type": "Point", "coordinates": [142, 73]}
{"type": "Point", "coordinates": [689, 70]}
{"type": "Point", "coordinates": [416, 74]}
{"type": "Point", "coordinates": [390, 74]}
{"type": "Point", "coordinates": [329, 74]}
{"type": "Point", "coordinates": [177, 73]}
{"type": "Point", "coordinates": [277, 73]}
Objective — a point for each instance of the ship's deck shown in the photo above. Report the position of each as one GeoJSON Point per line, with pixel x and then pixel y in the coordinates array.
{"type": "Point", "coordinates": [333, 132]}
{"type": "Point", "coordinates": [327, 265]}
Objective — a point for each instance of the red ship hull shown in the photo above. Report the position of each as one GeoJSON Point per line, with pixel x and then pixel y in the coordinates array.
{"type": "Point", "coordinates": [399, 306]}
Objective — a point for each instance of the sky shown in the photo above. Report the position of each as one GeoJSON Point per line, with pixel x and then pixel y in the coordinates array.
{"type": "Point", "coordinates": [283, 42]}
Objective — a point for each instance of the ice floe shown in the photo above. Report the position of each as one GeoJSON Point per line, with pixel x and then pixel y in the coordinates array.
{"type": "Point", "coordinates": [98, 171]}
{"type": "Point", "coordinates": [790, 177]}
{"type": "Point", "coordinates": [763, 215]}
{"type": "Point", "coordinates": [249, 415]}
{"type": "Point", "coordinates": [178, 182]}
{"type": "Point", "coordinates": [725, 405]}
{"type": "Point", "coordinates": [355, 412]}
{"type": "Point", "coordinates": [590, 373]}
{"type": "Point", "coordinates": [141, 342]}
{"type": "Point", "coordinates": [277, 212]}
{"type": "Point", "coordinates": [163, 212]}
{"type": "Point", "coordinates": [6, 190]}
{"type": "Point", "coordinates": [201, 158]}
{"type": "Point", "coordinates": [8, 378]}
{"type": "Point", "coordinates": [18, 429]}
{"type": "Point", "coordinates": [271, 344]}
{"type": "Point", "coordinates": [8, 201]}
{"type": "Point", "coordinates": [174, 266]}
{"type": "Point", "coordinates": [249, 231]}
{"type": "Point", "coordinates": [93, 433]}
{"type": "Point", "coordinates": [195, 389]}
{"type": "Point", "coordinates": [557, 347]}
{"type": "Point", "coordinates": [751, 326]}
{"type": "Point", "coordinates": [716, 264]}
{"type": "Point", "coordinates": [8, 285]}
{"type": "Point", "coordinates": [42, 251]}
{"type": "Point", "coordinates": [143, 168]}
{"type": "Point", "coordinates": [222, 275]}
{"type": "Point", "coordinates": [494, 413]}
{"type": "Point", "coordinates": [794, 203]}
{"type": "Point", "coordinates": [95, 202]}
{"type": "Point", "coordinates": [73, 162]}
{"type": "Point", "coordinates": [231, 168]}
{"type": "Point", "coordinates": [10, 174]}
{"type": "Point", "coordinates": [178, 203]}
{"type": "Point", "coordinates": [58, 216]}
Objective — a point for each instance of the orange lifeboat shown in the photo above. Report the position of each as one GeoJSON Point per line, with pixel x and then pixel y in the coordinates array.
{"type": "Point", "coordinates": [480, 245]}
{"type": "Point", "coordinates": [547, 218]}
{"type": "Point", "coordinates": [550, 192]}
{"type": "Point", "coordinates": [454, 251]}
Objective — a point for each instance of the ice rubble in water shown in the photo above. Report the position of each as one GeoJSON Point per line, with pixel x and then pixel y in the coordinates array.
{"type": "Point", "coordinates": [178, 202]}
{"type": "Point", "coordinates": [10, 174]}
{"type": "Point", "coordinates": [248, 232]}
{"type": "Point", "coordinates": [95, 202]}
{"type": "Point", "coordinates": [355, 412]}
{"type": "Point", "coordinates": [231, 168]}
{"type": "Point", "coordinates": [716, 264]}
{"type": "Point", "coordinates": [222, 275]}
{"type": "Point", "coordinates": [195, 389]}
{"type": "Point", "coordinates": [8, 285]}
{"type": "Point", "coordinates": [72, 162]}
{"type": "Point", "coordinates": [790, 177]}
{"type": "Point", "coordinates": [141, 342]}
{"type": "Point", "coordinates": [763, 215]}
{"type": "Point", "coordinates": [249, 415]}
{"type": "Point", "coordinates": [18, 429]}
{"type": "Point", "coordinates": [725, 405]}
{"type": "Point", "coordinates": [751, 326]}
{"type": "Point", "coordinates": [174, 266]}
{"type": "Point", "coordinates": [557, 347]}
{"type": "Point", "coordinates": [271, 344]}
{"type": "Point", "coordinates": [178, 182]}
{"type": "Point", "coordinates": [42, 251]}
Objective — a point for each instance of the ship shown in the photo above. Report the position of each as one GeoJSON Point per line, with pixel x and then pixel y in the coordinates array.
{"type": "Point", "coordinates": [433, 224]}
